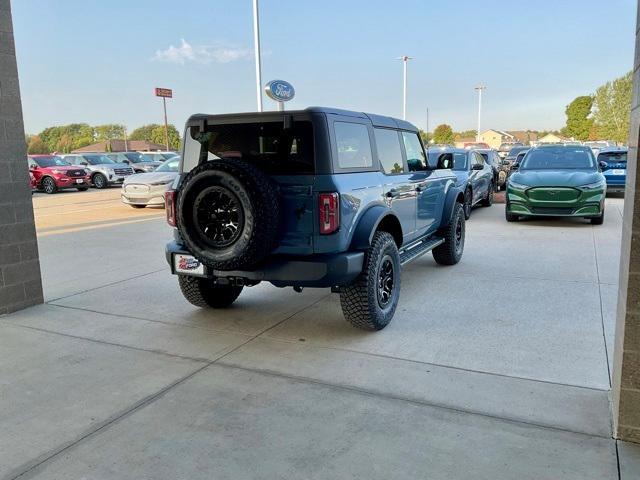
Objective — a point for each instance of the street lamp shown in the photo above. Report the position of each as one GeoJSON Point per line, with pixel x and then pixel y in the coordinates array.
{"type": "Point", "coordinates": [405, 59]}
{"type": "Point", "coordinates": [256, 47]}
{"type": "Point", "coordinates": [479, 88]}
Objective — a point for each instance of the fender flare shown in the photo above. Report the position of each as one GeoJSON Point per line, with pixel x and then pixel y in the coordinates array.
{"type": "Point", "coordinates": [449, 202]}
{"type": "Point", "coordinates": [368, 224]}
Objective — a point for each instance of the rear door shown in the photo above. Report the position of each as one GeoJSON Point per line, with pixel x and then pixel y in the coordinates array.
{"type": "Point", "coordinates": [398, 189]}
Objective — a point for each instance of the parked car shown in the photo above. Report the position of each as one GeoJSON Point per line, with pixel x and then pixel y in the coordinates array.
{"type": "Point", "coordinates": [32, 182]}
{"type": "Point", "coordinates": [492, 158]}
{"type": "Point", "coordinates": [613, 164]}
{"type": "Point", "coordinates": [309, 198]}
{"type": "Point", "coordinates": [138, 161]}
{"type": "Point", "coordinates": [104, 171]}
{"type": "Point", "coordinates": [511, 156]}
{"type": "Point", "coordinates": [52, 173]}
{"type": "Point", "coordinates": [505, 148]}
{"type": "Point", "coordinates": [516, 162]}
{"type": "Point", "coordinates": [557, 180]}
{"type": "Point", "coordinates": [148, 189]}
{"type": "Point", "coordinates": [159, 156]}
{"type": "Point", "coordinates": [474, 175]}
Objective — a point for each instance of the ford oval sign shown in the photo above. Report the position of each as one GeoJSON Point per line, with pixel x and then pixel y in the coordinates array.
{"type": "Point", "coordinates": [279, 90]}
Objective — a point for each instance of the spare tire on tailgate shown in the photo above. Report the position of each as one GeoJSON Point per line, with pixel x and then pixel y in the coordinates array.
{"type": "Point", "coordinates": [228, 214]}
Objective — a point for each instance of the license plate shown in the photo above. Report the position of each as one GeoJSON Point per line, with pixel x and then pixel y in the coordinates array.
{"type": "Point", "coordinates": [188, 265]}
{"type": "Point", "coordinates": [80, 180]}
{"type": "Point", "coordinates": [618, 172]}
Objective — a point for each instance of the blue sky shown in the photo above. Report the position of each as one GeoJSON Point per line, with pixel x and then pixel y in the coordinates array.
{"type": "Point", "coordinates": [97, 62]}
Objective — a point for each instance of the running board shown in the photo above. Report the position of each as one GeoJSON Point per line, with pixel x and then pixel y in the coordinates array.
{"type": "Point", "coordinates": [418, 249]}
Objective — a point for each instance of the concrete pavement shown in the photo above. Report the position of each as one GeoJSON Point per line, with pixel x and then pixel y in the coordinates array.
{"type": "Point", "coordinates": [497, 366]}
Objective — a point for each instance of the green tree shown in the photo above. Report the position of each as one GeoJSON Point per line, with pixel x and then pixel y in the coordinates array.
{"type": "Point", "coordinates": [35, 145]}
{"type": "Point", "coordinates": [110, 131]}
{"type": "Point", "coordinates": [613, 107]}
{"type": "Point", "coordinates": [155, 133]}
{"type": "Point", "coordinates": [67, 137]}
{"type": "Point", "coordinates": [578, 118]}
{"type": "Point", "coordinates": [425, 136]}
{"type": "Point", "coordinates": [443, 134]}
{"type": "Point", "coordinates": [465, 134]}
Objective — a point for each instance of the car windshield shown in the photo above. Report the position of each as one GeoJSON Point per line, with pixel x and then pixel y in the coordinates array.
{"type": "Point", "coordinates": [515, 150]}
{"type": "Point", "coordinates": [169, 165]}
{"type": "Point", "coordinates": [136, 157]}
{"type": "Point", "coordinates": [558, 158]}
{"type": "Point", "coordinates": [613, 157]}
{"type": "Point", "coordinates": [269, 145]}
{"type": "Point", "coordinates": [98, 159]}
{"type": "Point", "coordinates": [52, 161]}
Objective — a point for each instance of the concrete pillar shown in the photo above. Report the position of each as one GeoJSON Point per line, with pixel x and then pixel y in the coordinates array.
{"type": "Point", "coordinates": [20, 282]}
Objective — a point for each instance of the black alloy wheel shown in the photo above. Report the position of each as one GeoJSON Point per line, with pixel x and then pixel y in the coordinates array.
{"type": "Point", "coordinates": [218, 216]}
{"type": "Point", "coordinates": [386, 281]}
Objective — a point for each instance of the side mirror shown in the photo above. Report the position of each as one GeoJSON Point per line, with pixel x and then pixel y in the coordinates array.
{"type": "Point", "coordinates": [603, 165]}
{"type": "Point", "coordinates": [84, 163]}
{"type": "Point", "coordinates": [443, 164]}
{"type": "Point", "coordinates": [126, 161]}
{"type": "Point", "coordinates": [515, 166]}
{"type": "Point", "coordinates": [33, 167]}
{"type": "Point", "coordinates": [505, 162]}
{"type": "Point", "coordinates": [477, 166]}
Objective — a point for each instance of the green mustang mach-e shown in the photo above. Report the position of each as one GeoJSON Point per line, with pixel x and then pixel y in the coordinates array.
{"type": "Point", "coordinates": [557, 181]}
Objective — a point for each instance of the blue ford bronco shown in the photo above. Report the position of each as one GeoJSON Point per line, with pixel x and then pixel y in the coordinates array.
{"type": "Point", "coordinates": [311, 198]}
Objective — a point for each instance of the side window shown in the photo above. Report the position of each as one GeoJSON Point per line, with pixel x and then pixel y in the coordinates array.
{"type": "Point", "coordinates": [459, 161]}
{"type": "Point", "coordinates": [354, 146]}
{"type": "Point", "coordinates": [389, 151]}
{"type": "Point", "coordinates": [416, 160]}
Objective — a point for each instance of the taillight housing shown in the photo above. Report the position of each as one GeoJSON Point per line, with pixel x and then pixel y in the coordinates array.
{"type": "Point", "coordinates": [329, 204]}
{"type": "Point", "coordinates": [170, 206]}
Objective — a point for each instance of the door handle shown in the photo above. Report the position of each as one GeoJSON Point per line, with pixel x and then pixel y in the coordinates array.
{"type": "Point", "coordinates": [392, 193]}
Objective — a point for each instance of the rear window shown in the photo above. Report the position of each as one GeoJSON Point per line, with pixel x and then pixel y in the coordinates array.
{"type": "Point", "coordinates": [268, 145]}
{"type": "Point", "coordinates": [354, 146]}
{"type": "Point", "coordinates": [613, 157]}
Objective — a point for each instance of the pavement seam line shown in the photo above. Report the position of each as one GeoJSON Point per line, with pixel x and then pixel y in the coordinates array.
{"type": "Point", "coordinates": [439, 365]}
{"type": "Point", "coordinates": [400, 399]}
{"type": "Point", "coordinates": [604, 333]}
{"type": "Point", "coordinates": [113, 344]}
{"type": "Point", "coordinates": [103, 286]}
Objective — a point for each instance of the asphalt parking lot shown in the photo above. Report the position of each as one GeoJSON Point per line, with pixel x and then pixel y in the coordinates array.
{"type": "Point", "coordinates": [497, 366]}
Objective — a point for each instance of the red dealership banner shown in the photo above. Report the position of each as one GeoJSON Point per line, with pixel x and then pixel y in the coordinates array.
{"type": "Point", "coordinates": [164, 92]}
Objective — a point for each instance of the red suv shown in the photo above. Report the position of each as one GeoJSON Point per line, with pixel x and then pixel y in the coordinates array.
{"type": "Point", "coordinates": [52, 173]}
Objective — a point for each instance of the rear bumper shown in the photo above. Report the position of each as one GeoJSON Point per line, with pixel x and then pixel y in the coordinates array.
{"type": "Point", "coordinates": [321, 271]}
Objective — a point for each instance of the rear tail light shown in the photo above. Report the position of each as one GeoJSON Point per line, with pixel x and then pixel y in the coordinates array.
{"type": "Point", "coordinates": [170, 206]}
{"type": "Point", "coordinates": [329, 212]}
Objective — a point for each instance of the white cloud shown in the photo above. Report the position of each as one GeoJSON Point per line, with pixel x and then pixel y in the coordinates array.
{"type": "Point", "coordinates": [204, 54]}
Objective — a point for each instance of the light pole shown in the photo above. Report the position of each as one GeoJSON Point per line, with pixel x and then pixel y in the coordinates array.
{"type": "Point", "coordinates": [405, 59]}
{"type": "Point", "coordinates": [256, 47]}
{"type": "Point", "coordinates": [479, 88]}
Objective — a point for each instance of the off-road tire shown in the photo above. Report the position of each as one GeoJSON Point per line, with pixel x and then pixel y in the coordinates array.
{"type": "Point", "coordinates": [360, 300]}
{"type": "Point", "coordinates": [488, 200]}
{"type": "Point", "coordinates": [254, 193]}
{"type": "Point", "coordinates": [510, 217]}
{"type": "Point", "coordinates": [598, 220]}
{"type": "Point", "coordinates": [468, 203]}
{"type": "Point", "coordinates": [49, 185]}
{"type": "Point", "coordinates": [204, 293]}
{"type": "Point", "coordinates": [99, 181]}
{"type": "Point", "coordinates": [450, 252]}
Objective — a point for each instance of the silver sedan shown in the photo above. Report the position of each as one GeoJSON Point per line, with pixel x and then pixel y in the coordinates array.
{"type": "Point", "coordinates": [147, 189]}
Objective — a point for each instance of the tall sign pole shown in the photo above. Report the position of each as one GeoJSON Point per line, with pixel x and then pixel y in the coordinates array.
{"type": "Point", "coordinates": [165, 93]}
{"type": "Point", "coordinates": [479, 88]}
{"type": "Point", "coordinates": [405, 59]}
{"type": "Point", "coordinates": [256, 48]}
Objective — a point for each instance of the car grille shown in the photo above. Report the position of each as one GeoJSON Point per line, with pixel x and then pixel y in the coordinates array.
{"type": "Point", "coordinates": [76, 173]}
{"type": "Point", "coordinates": [136, 188]}
{"type": "Point", "coordinates": [123, 171]}
{"type": "Point", "coordinates": [553, 194]}
{"type": "Point", "coordinates": [552, 210]}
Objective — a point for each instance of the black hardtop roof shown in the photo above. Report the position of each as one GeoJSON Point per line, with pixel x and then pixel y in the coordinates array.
{"type": "Point", "coordinates": [376, 120]}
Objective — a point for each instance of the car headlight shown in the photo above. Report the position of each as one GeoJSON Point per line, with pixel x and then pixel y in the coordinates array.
{"type": "Point", "coordinates": [594, 186]}
{"type": "Point", "coordinates": [87, 172]}
{"type": "Point", "coordinates": [56, 171]}
{"type": "Point", "coordinates": [163, 182]}
{"type": "Point", "coordinates": [517, 186]}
